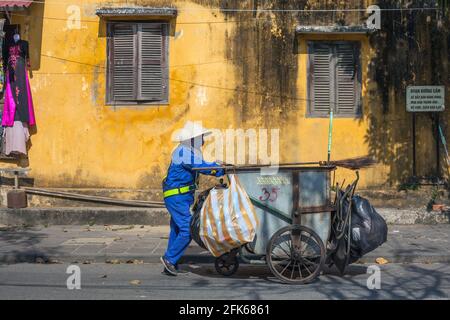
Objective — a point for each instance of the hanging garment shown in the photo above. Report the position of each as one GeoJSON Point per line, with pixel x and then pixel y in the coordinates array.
{"type": "Point", "coordinates": [15, 138]}
{"type": "Point", "coordinates": [18, 100]}
{"type": "Point", "coordinates": [2, 70]}
{"type": "Point", "coordinates": [2, 75]}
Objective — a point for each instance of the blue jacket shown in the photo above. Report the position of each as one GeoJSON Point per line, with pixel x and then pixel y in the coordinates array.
{"type": "Point", "coordinates": [180, 172]}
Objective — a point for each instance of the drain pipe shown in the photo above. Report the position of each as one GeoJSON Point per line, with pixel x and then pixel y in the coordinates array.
{"type": "Point", "coordinates": [76, 196]}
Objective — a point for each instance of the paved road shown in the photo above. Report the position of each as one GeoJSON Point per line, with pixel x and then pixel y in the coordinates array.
{"type": "Point", "coordinates": [109, 281]}
{"type": "Point", "coordinates": [410, 243]}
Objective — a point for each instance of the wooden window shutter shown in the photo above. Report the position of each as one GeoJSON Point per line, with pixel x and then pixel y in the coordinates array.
{"type": "Point", "coordinates": [122, 64]}
{"type": "Point", "coordinates": [347, 78]}
{"type": "Point", "coordinates": [152, 62]}
{"type": "Point", "coordinates": [321, 79]}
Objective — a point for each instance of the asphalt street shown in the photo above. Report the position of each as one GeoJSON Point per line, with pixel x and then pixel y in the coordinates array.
{"type": "Point", "coordinates": [145, 281]}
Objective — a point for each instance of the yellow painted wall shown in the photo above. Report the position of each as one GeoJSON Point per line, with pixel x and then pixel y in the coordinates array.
{"type": "Point", "coordinates": [81, 142]}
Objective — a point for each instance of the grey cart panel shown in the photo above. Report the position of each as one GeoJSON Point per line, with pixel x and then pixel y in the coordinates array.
{"type": "Point", "coordinates": [277, 192]}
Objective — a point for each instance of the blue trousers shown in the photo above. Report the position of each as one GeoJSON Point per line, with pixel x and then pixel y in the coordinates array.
{"type": "Point", "coordinates": [180, 221]}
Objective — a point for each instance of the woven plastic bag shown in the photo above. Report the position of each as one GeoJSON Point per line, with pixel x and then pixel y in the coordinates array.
{"type": "Point", "coordinates": [227, 219]}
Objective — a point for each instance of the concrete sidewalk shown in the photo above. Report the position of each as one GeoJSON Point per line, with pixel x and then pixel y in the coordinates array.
{"type": "Point", "coordinates": [145, 244]}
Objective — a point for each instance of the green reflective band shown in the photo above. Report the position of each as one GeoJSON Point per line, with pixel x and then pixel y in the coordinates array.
{"type": "Point", "coordinates": [182, 190]}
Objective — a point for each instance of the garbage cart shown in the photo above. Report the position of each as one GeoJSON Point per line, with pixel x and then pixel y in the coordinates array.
{"type": "Point", "coordinates": [296, 213]}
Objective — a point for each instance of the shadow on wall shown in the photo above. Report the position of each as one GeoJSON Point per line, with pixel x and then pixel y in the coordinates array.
{"type": "Point", "coordinates": [35, 34]}
{"type": "Point", "coordinates": [410, 49]}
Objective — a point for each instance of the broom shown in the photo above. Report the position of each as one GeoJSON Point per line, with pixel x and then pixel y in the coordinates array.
{"type": "Point", "coordinates": [354, 163]}
{"type": "Point", "coordinates": [350, 163]}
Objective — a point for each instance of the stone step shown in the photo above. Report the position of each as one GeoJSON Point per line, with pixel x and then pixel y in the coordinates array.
{"type": "Point", "coordinates": [84, 216]}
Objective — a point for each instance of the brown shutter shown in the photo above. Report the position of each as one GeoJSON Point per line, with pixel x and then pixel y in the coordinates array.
{"type": "Point", "coordinates": [152, 62]}
{"type": "Point", "coordinates": [347, 78]}
{"type": "Point", "coordinates": [321, 82]}
{"type": "Point", "coordinates": [123, 69]}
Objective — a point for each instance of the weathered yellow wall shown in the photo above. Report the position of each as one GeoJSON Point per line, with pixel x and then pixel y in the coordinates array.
{"type": "Point", "coordinates": [349, 134]}
{"type": "Point", "coordinates": [81, 142]}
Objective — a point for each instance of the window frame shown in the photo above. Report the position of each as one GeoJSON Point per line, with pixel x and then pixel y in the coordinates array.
{"type": "Point", "coordinates": [311, 112]}
{"type": "Point", "coordinates": [165, 66]}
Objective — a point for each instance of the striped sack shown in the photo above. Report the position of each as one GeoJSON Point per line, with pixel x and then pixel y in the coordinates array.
{"type": "Point", "coordinates": [227, 218]}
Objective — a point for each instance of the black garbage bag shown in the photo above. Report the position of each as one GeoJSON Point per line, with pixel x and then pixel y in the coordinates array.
{"type": "Point", "coordinates": [195, 220]}
{"type": "Point", "coordinates": [369, 229]}
{"type": "Point", "coordinates": [339, 250]}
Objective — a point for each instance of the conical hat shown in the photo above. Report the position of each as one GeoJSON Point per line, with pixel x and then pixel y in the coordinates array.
{"type": "Point", "coordinates": [191, 130]}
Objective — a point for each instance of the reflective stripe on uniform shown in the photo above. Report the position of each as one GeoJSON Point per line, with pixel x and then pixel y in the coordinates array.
{"type": "Point", "coordinates": [181, 190]}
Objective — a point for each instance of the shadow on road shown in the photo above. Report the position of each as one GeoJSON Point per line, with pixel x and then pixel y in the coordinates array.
{"type": "Point", "coordinates": [398, 282]}
{"type": "Point", "coordinates": [19, 245]}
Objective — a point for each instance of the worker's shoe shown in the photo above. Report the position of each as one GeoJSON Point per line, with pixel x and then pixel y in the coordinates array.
{"type": "Point", "coordinates": [168, 267]}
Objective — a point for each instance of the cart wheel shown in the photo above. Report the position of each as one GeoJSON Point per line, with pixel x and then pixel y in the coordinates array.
{"type": "Point", "coordinates": [295, 254]}
{"type": "Point", "coordinates": [225, 265]}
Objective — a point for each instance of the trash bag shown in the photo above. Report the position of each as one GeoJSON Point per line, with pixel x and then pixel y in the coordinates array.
{"type": "Point", "coordinates": [339, 248]}
{"type": "Point", "coordinates": [369, 229]}
{"type": "Point", "coordinates": [228, 219]}
{"type": "Point", "coordinates": [195, 220]}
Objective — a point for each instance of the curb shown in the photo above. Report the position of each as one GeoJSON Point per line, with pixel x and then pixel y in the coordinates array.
{"type": "Point", "coordinates": [190, 258]}
{"type": "Point", "coordinates": [414, 216]}
{"type": "Point", "coordinates": [85, 216]}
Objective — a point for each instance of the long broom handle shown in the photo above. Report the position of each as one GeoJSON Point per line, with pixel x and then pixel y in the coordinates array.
{"type": "Point", "coordinates": [330, 135]}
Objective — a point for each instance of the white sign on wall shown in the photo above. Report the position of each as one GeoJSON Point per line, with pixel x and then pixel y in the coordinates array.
{"type": "Point", "coordinates": [425, 98]}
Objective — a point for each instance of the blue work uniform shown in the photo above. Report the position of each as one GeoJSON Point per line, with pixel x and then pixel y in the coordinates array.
{"type": "Point", "coordinates": [180, 174]}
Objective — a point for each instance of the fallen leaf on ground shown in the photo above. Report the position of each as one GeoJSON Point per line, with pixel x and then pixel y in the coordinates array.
{"type": "Point", "coordinates": [39, 260]}
{"type": "Point", "coordinates": [54, 261]}
{"type": "Point", "coordinates": [135, 261]}
{"type": "Point", "coordinates": [113, 261]}
{"type": "Point", "coordinates": [123, 228]}
{"type": "Point", "coordinates": [381, 261]}
{"type": "Point", "coordinates": [135, 282]}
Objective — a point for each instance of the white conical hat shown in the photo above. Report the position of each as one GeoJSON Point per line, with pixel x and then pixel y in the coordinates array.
{"type": "Point", "coordinates": [191, 130]}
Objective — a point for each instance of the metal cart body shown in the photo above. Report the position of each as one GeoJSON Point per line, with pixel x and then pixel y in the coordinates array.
{"type": "Point", "coordinates": [292, 196]}
{"type": "Point", "coordinates": [298, 221]}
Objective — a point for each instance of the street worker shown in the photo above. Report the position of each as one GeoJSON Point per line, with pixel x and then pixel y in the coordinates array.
{"type": "Point", "coordinates": [179, 186]}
